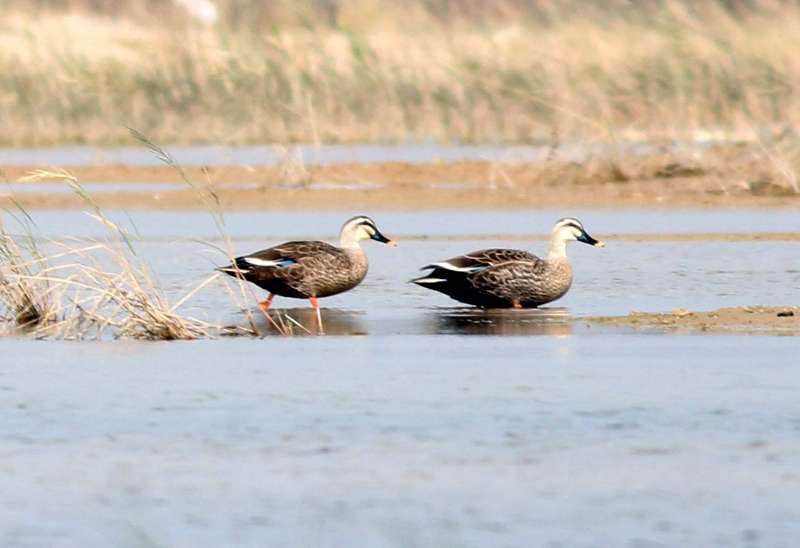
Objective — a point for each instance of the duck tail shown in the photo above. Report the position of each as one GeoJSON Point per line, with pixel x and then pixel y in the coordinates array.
{"type": "Point", "coordinates": [236, 269]}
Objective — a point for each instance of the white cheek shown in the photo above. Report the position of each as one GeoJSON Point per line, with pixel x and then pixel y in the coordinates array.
{"type": "Point", "coordinates": [568, 234]}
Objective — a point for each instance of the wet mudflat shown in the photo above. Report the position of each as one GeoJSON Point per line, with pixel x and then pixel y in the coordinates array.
{"type": "Point", "coordinates": [415, 421]}
{"type": "Point", "coordinates": [408, 177]}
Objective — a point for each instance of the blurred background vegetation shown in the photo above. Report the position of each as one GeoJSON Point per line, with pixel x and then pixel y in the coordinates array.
{"type": "Point", "coordinates": [228, 71]}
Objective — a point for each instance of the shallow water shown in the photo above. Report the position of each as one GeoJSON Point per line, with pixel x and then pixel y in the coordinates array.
{"type": "Point", "coordinates": [10, 189]}
{"type": "Point", "coordinates": [268, 226]}
{"type": "Point", "coordinates": [311, 154]}
{"type": "Point", "coordinates": [623, 277]}
{"type": "Point", "coordinates": [585, 441]}
{"type": "Point", "coordinates": [418, 422]}
{"type": "Point", "coordinates": [647, 275]}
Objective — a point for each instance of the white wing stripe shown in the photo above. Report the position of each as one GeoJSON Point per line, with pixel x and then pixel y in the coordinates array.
{"type": "Point", "coordinates": [261, 262]}
{"type": "Point", "coordinates": [429, 280]}
{"type": "Point", "coordinates": [449, 266]}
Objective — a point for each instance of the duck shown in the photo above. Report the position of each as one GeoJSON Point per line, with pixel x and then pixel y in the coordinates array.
{"type": "Point", "coordinates": [310, 269]}
{"type": "Point", "coordinates": [509, 278]}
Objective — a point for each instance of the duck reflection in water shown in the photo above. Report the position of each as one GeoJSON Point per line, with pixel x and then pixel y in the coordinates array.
{"type": "Point", "coordinates": [471, 321]}
{"type": "Point", "coordinates": [442, 321]}
{"type": "Point", "coordinates": [303, 321]}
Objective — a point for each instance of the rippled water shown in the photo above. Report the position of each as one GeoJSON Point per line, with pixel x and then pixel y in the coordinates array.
{"type": "Point", "coordinates": [416, 421]}
{"type": "Point", "coordinates": [579, 441]}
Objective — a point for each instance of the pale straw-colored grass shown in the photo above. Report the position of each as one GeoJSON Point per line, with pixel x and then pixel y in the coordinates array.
{"type": "Point", "coordinates": [104, 287]}
{"type": "Point", "coordinates": [101, 288]}
{"type": "Point", "coordinates": [280, 72]}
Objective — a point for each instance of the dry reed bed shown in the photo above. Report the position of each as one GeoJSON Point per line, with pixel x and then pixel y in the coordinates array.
{"type": "Point", "coordinates": [101, 288]}
{"type": "Point", "coordinates": [68, 295]}
{"type": "Point", "coordinates": [523, 72]}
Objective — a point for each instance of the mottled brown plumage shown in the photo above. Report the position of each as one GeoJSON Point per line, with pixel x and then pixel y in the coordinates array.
{"type": "Point", "coordinates": [502, 278]}
{"type": "Point", "coordinates": [305, 269]}
{"type": "Point", "coordinates": [310, 269]}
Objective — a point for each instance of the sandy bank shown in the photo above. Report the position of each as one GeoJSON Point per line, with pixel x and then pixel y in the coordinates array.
{"type": "Point", "coordinates": [634, 182]}
{"type": "Point", "coordinates": [742, 319]}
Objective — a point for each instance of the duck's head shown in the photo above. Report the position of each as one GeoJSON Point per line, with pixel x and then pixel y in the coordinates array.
{"type": "Point", "coordinates": [569, 229]}
{"type": "Point", "coordinates": [361, 228]}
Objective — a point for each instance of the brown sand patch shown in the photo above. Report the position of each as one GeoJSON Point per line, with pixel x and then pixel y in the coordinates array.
{"type": "Point", "coordinates": [742, 320]}
{"type": "Point", "coordinates": [726, 178]}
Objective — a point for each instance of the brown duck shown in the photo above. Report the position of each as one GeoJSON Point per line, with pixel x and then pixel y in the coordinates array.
{"type": "Point", "coordinates": [309, 269]}
{"type": "Point", "coordinates": [504, 278]}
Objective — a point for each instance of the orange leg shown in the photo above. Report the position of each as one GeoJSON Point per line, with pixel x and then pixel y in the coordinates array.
{"type": "Point", "coordinates": [315, 306]}
{"type": "Point", "coordinates": [516, 304]}
{"type": "Point", "coordinates": [265, 304]}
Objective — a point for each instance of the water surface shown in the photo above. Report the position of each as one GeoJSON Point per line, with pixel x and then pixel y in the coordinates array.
{"type": "Point", "coordinates": [417, 421]}
{"type": "Point", "coordinates": [646, 275]}
{"type": "Point", "coordinates": [584, 441]}
{"type": "Point", "coordinates": [215, 155]}
{"type": "Point", "coordinates": [268, 226]}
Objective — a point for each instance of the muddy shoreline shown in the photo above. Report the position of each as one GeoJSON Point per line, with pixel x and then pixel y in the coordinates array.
{"type": "Point", "coordinates": [403, 186]}
{"type": "Point", "coordinates": [750, 320]}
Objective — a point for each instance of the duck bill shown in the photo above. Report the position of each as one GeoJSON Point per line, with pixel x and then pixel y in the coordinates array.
{"type": "Point", "coordinates": [585, 238]}
{"type": "Point", "coordinates": [378, 237]}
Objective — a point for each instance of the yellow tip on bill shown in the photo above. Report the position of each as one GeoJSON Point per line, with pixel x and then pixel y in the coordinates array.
{"type": "Point", "coordinates": [391, 243]}
{"type": "Point", "coordinates": [599, 244]}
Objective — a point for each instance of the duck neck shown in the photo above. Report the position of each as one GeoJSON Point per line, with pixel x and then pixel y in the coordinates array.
{"type": "Point", "coordinates": [558, 249]}
{"type": "Point", "coordinates": [347, 240]}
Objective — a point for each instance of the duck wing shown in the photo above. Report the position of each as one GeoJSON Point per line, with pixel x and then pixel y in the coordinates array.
{"type": "Point", "coordinates": [481, 277]}
{"type": "Point", "coordinates": [273, 262]}
{"type": "Point", "coordinates": [478, 261]}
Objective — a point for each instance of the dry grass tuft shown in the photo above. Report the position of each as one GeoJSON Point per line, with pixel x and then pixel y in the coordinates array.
{"type": "Point", "coordinates": [105, 288]}
{"type": "Point", "coordinates": [211, 202]}
{"type": "Point", "coordinates": [95, 290]}
{"type": "Point", "coordinates": [26, 300]}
